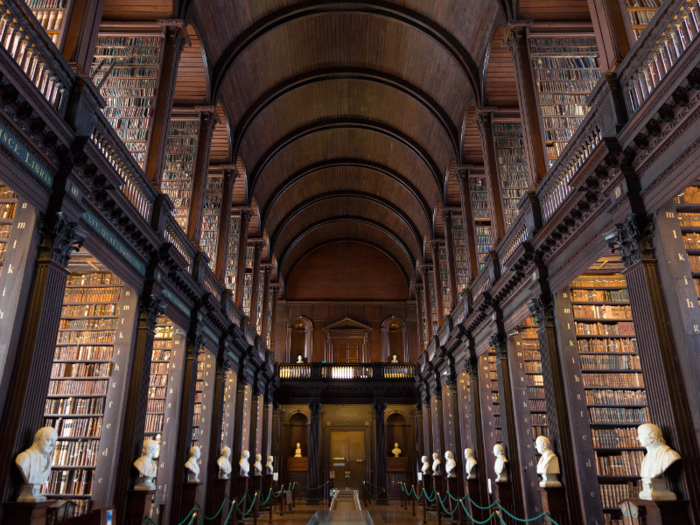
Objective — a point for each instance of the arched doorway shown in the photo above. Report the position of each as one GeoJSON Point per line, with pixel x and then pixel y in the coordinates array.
{"type": "Point", "coordinates": [394, 341]}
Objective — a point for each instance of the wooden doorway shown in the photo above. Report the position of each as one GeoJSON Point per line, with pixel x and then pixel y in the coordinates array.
{"type": "Point", "coordinates": [348, 458]}
{"type": "Point", "coordinates": [347, 351]}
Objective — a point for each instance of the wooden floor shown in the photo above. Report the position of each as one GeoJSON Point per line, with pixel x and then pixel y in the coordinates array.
{"type": "Point", "coordinates": [392, 514]}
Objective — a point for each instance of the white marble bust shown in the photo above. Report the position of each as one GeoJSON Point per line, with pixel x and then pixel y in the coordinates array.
{"type": "Point", "coordinates": [548, 465]}
{"type": "Point", "coordinates": [658, 458]}
{"type": "Point", "coordinates": [499, 466]}
{"type": "Point", "coordinates": [243, 464]}
{"type": "Point", "coordinates": [450, 465]}
{"type": "Point", "coordinates": [425, 469]}
{"type": "Point", "coordinates": [436, 464]}
{"type": "Point", "coordinates": [224, 463]}
{"type": "Point", "coordinates": [394, 359]}
{"type": "Point", "coordinates": [469, 463]}
{"type": "Point", "coordinates": [396, 451]}
{"type": "Point", "coordinates": [300, 360]}
{"type": "Point", "coordinates": [297, 452]}
{"type": "Point", "coordinates": [35, 464]}
{"type": "Point", "coordinates": [148, 469]}
{"type": "Point", "coordinates": [269, 466]}
{"type": "Point", "coordinates": [193, 464]}
{"type": "Point", "coordinates": [258, 464]}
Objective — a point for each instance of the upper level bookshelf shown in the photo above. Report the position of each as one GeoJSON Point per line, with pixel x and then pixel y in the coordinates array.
{"type": "Point", "coordinates": [512, 166]}
{"type": "Point", "coordinates": [211, 215]}
{"type": "Point", "coordinates": [178, 166]}
{"type": "Point", "coordinates": [130, 87]}
{"type": "Point", "coordinates": [423, 317]}
{"type": "Point", "coordinates": [459, 243]}
{"type": "Point", "coordinates": [8, 209]}
{"type": "Point", "coordinates": [268, 332]}
{"type": "Point", "coordinates": [478, 191]}
{"type": "Point", "coordinates": [433, 303]}
{"type": "Point", "coordinates": [533, 378]}
{"type": "Point", "coordinates": [51, 15]}
{"type": "Point", "coordinates": [565, 70]}
{"type": "Point", "coordinates": [259, 305]}
{"type": "Point", "coordinates": [247, 292]}
{"type": "Point", "coordinates": [199, 387]}
{"type": "Point", "coordinates": [232, 255]}
{"type": "Point", "coordinates": [444, 281]}
{"type": "Point", "coordinates": [640, 14]}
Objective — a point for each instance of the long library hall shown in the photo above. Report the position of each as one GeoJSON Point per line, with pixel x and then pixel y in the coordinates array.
{"type": "Point", "coordinates": [367, 262]}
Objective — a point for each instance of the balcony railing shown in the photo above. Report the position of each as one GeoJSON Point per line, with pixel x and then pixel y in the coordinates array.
{"type": "Point", "coordinates": [353, 372]}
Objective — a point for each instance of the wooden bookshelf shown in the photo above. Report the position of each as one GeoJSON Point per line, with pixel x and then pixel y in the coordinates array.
{"type": "Point", "coordinates": [493, 380]}
{"type": "Point", "coordinates": [52, 15]}
{"type": "Point", "coordinates": [444, 281]}
{"type": "Point", "coordinates": [130, 88]}
{"type": "Point", "coordinates": [247, 292]}
{"type": "Point", "coordinates": [259, 305]}
{"type": "Point", "coordinates": [460, 252]}
{"type": "Point", "coordinates": [639, 15]}
{"type": "Point", "coordinates": [565, 71]}
{"type": "Point", "coordinates": [512, 166]}
{"type": "Point", "coordinates": [211, 215]}
{"type": "Point", "coordinates": [79, 399]}
{"type": "Point", "coordinates": [178, 166]}
{"type": "Point", "coordinates": [533, 378]}
{"type": "Point", "coordinates": [478, 190]}
{"type": "Point", "coordinates": [8, 210]}
{"type": "Point", "coordinates": [269, 319]}
{"type": "Point", "coordinates": [199, 388]}
{"type": "Point", "coordinates": [433, 303]}
{"type": "Point", "coordinates": [232, 256]}
{"type": "Point", "coordinates": [421, 300]}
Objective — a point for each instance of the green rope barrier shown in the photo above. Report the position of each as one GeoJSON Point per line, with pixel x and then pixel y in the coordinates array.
{"type": "Point", "coordinates": [427, 498]}
{"type": "Point", "coordinates": [243, 499]}
{"type": "Point", "coordinates": [316, 488]}
{"type": "Point", "coordinates": [479, 506]}
{"type": "Point", "coordinates": [148, 520]}
{"type": "Point", "coordinates": [442, 504]}
{"type": "Point", "coordinates": [252, 506]}
{"type": "Point", "coordinates": [527, 520]}
{"type": "Point", "coordinates": [226, 498]}
{"type": "Point", "coordinates": [472, 517]}
{"type": "Point", "coordinates": [233, 507]}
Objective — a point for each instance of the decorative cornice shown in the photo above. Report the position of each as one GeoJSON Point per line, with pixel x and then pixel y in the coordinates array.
{"type": "Point", "coordinates": [633, 238]}
{"type": "Point", "coordinates": [60, 239]}
{"type": "Point", "coordinates": [542, 309]}
{"type": "Point", "coordinates": [151, 307]}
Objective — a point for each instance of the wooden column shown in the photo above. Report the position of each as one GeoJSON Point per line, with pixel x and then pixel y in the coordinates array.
{"type": "Point", "coordinates": [516, 38]}
{"type": "Point", "coordinates": [30, 378]}
{"type": "Point", "coordinates": [663, 380]}
{"type": "Point", "coordinates": [380, 446]}
{"type": "Point", "coordinates": [274, 289]}
{"type": "Point", "coordinates": [81, 34]}
{"type": "Point", "coordinates": [212, 501]}
{"type": "Point", "coordinates": [427, 426]}
{"type": "Point", "coordinates": [265, 301]}
{"type": "Point", "coordinates": [184, 429]}
{"type": "Point", "coordinates": [174, 42]}
{"type": "Point", "coordinates": [134, 420]}
{"type": "Point", "coordinates": [510, 439]}
{"type": "Point", "coordinates": [436, 420]}
{"type": "Point", "coordinates": [608, 23]}
{"type": "Point", "coordinates": [238, 426]}
{"type": "Point", "coordinates": [451, 415]}
{"type": "Point", "coordinates": [254, 427]}
{"type": "Point", "coordinates": [255, 286]}
{"type": "Point", "coordinates": [418, 438]}
{"type": "Point", "coordinates": [560, 433]}
{"type": "Point", "coordinates": [484, 120]}
{"type": "Point", "coordinates": [426, 299]}
{"type": "Point", "coordinates": [224, 222]}
{"type": "Point", "coordinates": [449, 247]}
{"type": "Point", "coordinates": [478, 445]}
{"type": "Point", "coordinates": [418, 290]}
{"type": "Point", "coordinates": [314, 453]}
{"type": "Point", "coordinates": [242, 247]}
{"type": "Point", "coordinates": [435, 249]}
{"type": "Point", "coordinates": [208, 117]}
{"type": "Point", "coordinates": [462, 176]}
{"type": "Point", "coordinates": [267, 426]}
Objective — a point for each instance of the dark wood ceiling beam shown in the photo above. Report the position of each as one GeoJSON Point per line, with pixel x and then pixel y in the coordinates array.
{"type": "Point", "coordinates": [340, 163]}
{"type": "Point", "coordinates": [349, 123]}
{"type": "Point", "coordinates": [345, 73]}
{"type": "Point", "coordinates": [310, 8]}
{"type": "Point", "coordinates": [327, 222]}
{"type": "Point", "coordinates": [406, 275]}
{"type": "Point", "coordinates": [390, 206]}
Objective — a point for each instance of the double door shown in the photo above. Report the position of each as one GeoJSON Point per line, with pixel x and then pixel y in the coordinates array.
{"type": "Point", "coordinates": [348, 459]}
{"type": "Point", "coordinates": [347, 351]}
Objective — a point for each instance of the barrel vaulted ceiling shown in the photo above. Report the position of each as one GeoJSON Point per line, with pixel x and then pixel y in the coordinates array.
{"type": "Point", "coordinates": [346, 114]}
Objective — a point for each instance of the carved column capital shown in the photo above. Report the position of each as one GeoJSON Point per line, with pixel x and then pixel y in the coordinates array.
{"type": "Point", "coordinates": [315, 409]}
{"type": "Point", "coordinates": [633, 238]}
{"type": "Point", "coordinates": [543, 310]}
{"type": "Point", "coordinates": [471, 365]}
{"type": "Point", "coordinates": [496, 340]}
{"type": "Point", "coordinates": [151, 307]}
{"type": "Point", "coordinates": [379, 408]}
{"type": "Point", "coordinates": [60, 239]}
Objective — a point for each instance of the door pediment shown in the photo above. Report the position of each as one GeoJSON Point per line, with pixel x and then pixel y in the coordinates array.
{"type": "Point", "coordinates": [347, 324]}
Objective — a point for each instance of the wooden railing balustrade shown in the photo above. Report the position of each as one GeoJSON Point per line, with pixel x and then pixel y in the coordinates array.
{"type": "Point", "coordinates": [359, 371]}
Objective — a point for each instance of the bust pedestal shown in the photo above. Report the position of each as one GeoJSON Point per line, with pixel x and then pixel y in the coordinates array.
{"type": "Point", "coordinates": [190, 495]}
{"type": "Point", "coordinates": [640, 511]}
{"type": "Point", "coordinates": [471, 487]}
{"type": "Point", "coordinates": [138, 506]}
{"type": "Point", "coordinates": [428, 482]}
{"type": "Point", "coordinates": [255, 484]}
{"type": "Point", "coordinates": [453, 485]}
{"type": "Point", "coordinates": [503, 492]}
{"type": "Point", "coordinates": [27, 513]}
{"type": "Point", "coordinates": [266, 486]}
{"type": "Point", "coordinates": [221, 488]}
{"type": "Point", "coordinates": [241, 487]}
{"type": "Point", "coordinates": [553, 501]}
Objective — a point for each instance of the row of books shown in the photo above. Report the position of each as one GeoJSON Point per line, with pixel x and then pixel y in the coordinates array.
{"type": "Point", "coordinates": [156, 392]}
{"type": "Point", "coordinates": [569, 86]}
{"type": "Point", "coordinates": [635, 416]}
{"type": "Point", "coordinates": [540, 430]}
{"type": "Point", "coordinates": [158, 380]}
{"type": "Point", "coordinates": [161, 350]}
{"type": "Point", "coordinates": [534, 380]}
{"type": "Point", "coordinates": [600, 296]}
{"type": "Point", "coordinates": [538, 419]}
{"type": "Point", "coordinates": [156, 405]}
{"type": "Point", "coordinates": [613, 380]}
{"type": "Point", "coordinates": [77, 388]}
{"type": "Point", "coordinates": [691, 241]}
{"type": "Point", "coordinates": [694, 263]}
{"type": "Point", "coordinates": [535, 393]}
{"type": "Point", "coordinates": [83, 353]}
{"type": "Point", "coordinates": [567, 123]}
{"type": "Point", "coordinates": [71, 482]}
{"type": "Point", "coordinates": [159, 368]}
{"type": "Point", "coordinates": [602, 311]}
{"type": "Point", "coordinates": [75, 406]}
{"type": "Point", "coordinates": [76, 453]}
{"type": "Point", "coordinates": [623, 329]}
{"type": "Point", "coordinates": [88, 324]}
{"type": "Point", "coordinates": [564, 62]}
{"type": "Point", "coordinates": [537, 405]}
{"type": "Point", "coordinates": [689, 219]}
{"type": "Point", "coordinates": [106, 336]}
{"type": "Point", "coordinates": [74, 427]}
{"type": "Point", "coordinates": [65, 370]}
{"type": "Point", "coordinates": [607, 345]}
{"type": "Point", "coordinates": [690, 195]}
{"type": "Point", "coordinates": [644, 3]}
{"type": "Point", "coordinates": [610, 362]}
{"type": "Point", "coordinates": [92, 295]}
{"type": "Point", "coordinates": [90, 310]}
{"type": "Point", "coordinates": [154, 423]}
{"type": "Point", "coordinates": [612, 495]}
{"type": "Point", "coordinates": [552, 110]}
{"type": "Point", "coordinates": [616, 397]}
{"type": "Point", "coordinates": [531, 355]}
{"type": "Point", "coordinates": [627, 463]}
{"type": "Point", "coordinates": [600, 281]}
{"type": "Point", "coordinates": [533, 367]}
{"type": "Point", "coordinates": [93, 279]}
{"type": "Point", "coordinates": [614, 438]}
{"type": "Point", "coordinates": [641, 18]}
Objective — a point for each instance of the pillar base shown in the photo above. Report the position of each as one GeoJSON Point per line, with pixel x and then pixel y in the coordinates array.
{"type": "Point", "coordinates": [27, 513]}
{"type": "Point", "coordinates": [190, 495]}
{"type": "Point", "coordinates": [221, 488]}
{"type": "Point", "coordinates": [553, 500]}
{"type": "Point", "coordinates": [503, 492]}
{"type": "Point", "coordinates": [639, 511]}
{"type": "Point", "coordinates": [138, 506]}
{"type": "Point", "coordinates": [471, 487]}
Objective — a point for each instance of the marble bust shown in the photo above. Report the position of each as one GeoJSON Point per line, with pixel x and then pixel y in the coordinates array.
{"type": "Point", "coordinates": [548, 465]}
{"type": "Point", "coordinates": [297, 452]}
{"type": "Point", "coordinates": [436, 464]}
{"type": "Point", "coordinates": [425, 469]}
{"type": "Point", "coordinates": [224, 463]}
{"type": "Point", "coordinates": [193, 465]}
{"type": "Point", "coordinates": [269, 466]}
{"type": "Point", "coordinates": [258, 464]}
{"type": "Point", "coordinates": [658, 458]}
{"type": "Point", "coordinates": [148, 469]}
{"type": "Point", "coordinates": [469, 463]}
{"type": "Point", "coordinates": [394, 359]}
{"type": "Point", "coordinates": [396, 451]}
{"type": "Point", "coordinates": [243, 464]}
{"type": "Point", "coordinates": [35, 464]}
{"type": "Point", "coordinates": [450, 464]}
{"type": "Point", "coordinates": [300, 360]}
{"type": "Point", "coordinates": [499, 466]}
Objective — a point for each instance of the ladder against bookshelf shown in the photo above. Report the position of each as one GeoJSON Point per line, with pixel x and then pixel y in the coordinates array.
{"type": "Point", "coordinates": [460, 252]}
{"type": "Point", "coordinates": [512, 166]}
{"type": "Point", "coordinates": [131, 86]}
{"type": "Point", "coordinates": [565, 71]}
{"type": "Point", "coordinates": [178, 166]}
{"type": "Point", "coordinates": [640, 14]}
{"type": "Point", "coordinates": [232, 257]}
{"type": "Point", "coordinates": [211, 215]}
{"type": "Point", "coordinates": [51, 15]}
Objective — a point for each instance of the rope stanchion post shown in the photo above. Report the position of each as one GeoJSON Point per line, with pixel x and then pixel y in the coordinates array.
{"type": "Point", "coordinates": [425, 506]}
{"type": "Point", "coordinates": [256, 504]}
{"type": "Point", "coordinates": [437, 508]}
{"type": "Point", "coordinates": [270, 504]}
{"type": "Point", "coordinates": [413, 504]}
